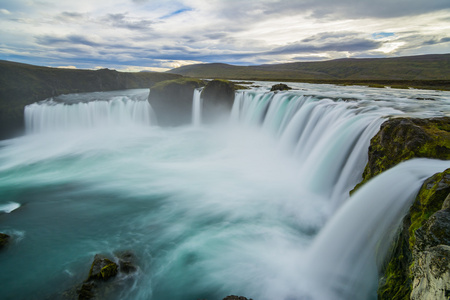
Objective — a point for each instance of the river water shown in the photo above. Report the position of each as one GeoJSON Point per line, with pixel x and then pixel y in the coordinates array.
{"type": "Point", "coordinates": [256, 205]}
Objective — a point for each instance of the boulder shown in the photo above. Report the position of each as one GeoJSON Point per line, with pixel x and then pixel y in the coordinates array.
{"type": "Point", "coordinates": [280, 87]}
{"type": "Point", "coordinates": [233, 297]}
{"type": "Point", "coordinates": [4, 239]}
{"type": "Point", "coordinates": [106, 278]}
{"type": "Point", "coordinates": [171, 100]}
{"type": "Point", "coordinates": [102, 268]}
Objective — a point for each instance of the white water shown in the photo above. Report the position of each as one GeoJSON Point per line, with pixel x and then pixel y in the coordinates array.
{"type": "Point", "coordinates": [197, 103]}
{"type": "Point", "coordinates": [256, 207]}
{"type": "Point", "coordinates": [105, 111]}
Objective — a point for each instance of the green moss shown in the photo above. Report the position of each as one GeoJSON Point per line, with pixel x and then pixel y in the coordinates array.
{"type": "Point", "coordinates": [108, 271]}
{"type": "Point", "coordinates": [429, 200]}
{"type": "Point", "coordinates": [401, 139]}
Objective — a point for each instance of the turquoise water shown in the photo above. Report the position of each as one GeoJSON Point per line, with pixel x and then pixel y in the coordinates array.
{"type": "Point", "coordinates": [208, 211]}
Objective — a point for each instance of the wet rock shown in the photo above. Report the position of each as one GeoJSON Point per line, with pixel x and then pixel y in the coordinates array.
{"type": "Point", "coordinates": [4, 239]}
{"type": "Point", "coordinates": [401, 139]}
{"type": "Point", "coordinates": [280, 87]}
{"type": "Point", "coordinates": [171, 100]}
{"type": "Point", "coordinates": [102, 268]}
{"type": "Point", "coordinates": [218, 97]}
{"type": "Point", "coordinates": [233, 297]}
{"type": "Point", "coordinates": [127, 262]}
{"type": "Point", "coordinates": [431, 257]}
{"type": "Point", "coordinates": [419, 266]}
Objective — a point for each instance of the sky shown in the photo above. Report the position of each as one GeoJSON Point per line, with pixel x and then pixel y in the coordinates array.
{"type": "Point", "coordinates": [158, 35]}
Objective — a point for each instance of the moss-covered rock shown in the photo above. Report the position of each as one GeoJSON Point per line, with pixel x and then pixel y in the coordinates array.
{"type": "Point", "coordinates": [280, 87]}
{"type": "Point", "coordinates": [102, 268]}
{"type": "Point", "coordinates": [4, 239]}
{"type": "Point", "coordinates": [421, 246]}
{"type": "Point", "coordinates": [218, 97]}
{"type": "Point", "coordinates": [172, 100]}
{"type": "Point", "coordinates": [401, 139]}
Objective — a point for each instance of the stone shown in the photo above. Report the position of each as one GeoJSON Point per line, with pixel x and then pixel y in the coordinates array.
{"type": "Point", "coordinates": [102, 268]}
{"type": "Point", "coordinates": [4, 239]}
{"type": "Point", "coordinates": [233, 297]}
{"type": "Point", "coordinates": [280, 87]}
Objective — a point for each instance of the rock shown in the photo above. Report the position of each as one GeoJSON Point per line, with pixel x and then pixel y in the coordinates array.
{"type": "Point", "coordinates": [419, 264]}
{"type": "Point", "coordinates": [401, 139]}
{"type": "Point", "coordinates": [127, 262]}
{"type": "Point", "coordinates": [280, 87]}
{"type": "Point", "coordinates": [431, 258]}
{"type": "Point", "coordinates": [171, 100]}
{"type": "Point", "coordinates": [4, 239]}
{"type": "Point", "coordinates": [102, 268]}
{"type": "Point", "coordinates": [218, 97]}
{"type": "Point", "coordinates": [233, 297]}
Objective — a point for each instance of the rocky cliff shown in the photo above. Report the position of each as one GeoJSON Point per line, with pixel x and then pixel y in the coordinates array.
{"type": "Point", "coordinates": [419, 264]}
{"type": "Point", "coordinates": [172, 100]}
{"type": "Point", "coordinates": [22, 84]}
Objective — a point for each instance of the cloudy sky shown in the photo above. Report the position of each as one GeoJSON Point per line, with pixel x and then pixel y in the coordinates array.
{"type": "Point", "coordinates": [132, 35]}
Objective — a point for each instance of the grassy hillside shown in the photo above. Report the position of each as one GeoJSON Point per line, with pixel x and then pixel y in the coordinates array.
{"type": "Point", "coordinates": [22, 84]}
{"type": "Point", "coordinates": [431, 71]}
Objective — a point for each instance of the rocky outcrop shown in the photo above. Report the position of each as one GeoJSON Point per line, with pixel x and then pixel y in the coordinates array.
{"type": "Point", "coordinates": [424, 236]}
{"type": "Point", "coordinates": [106, 277]}
{"type": "Point", "coordinates": [418, 265]}
{"type": "Point", "coordinates": [233, 297]}
{"type": "Point", "coordinates": [280, 87]}
{"type": "Point", "coordinates": [401, 139]}
{"type": "Point", "coordinates": [172, 100]}
{"type": "Point", "coordinates": [22, 84]}
{"type": "Point", "coordinates": [4, 239]}
{"type": "Point", "coordinates": [218, 97]}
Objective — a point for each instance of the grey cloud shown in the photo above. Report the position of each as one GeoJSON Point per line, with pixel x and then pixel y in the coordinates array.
{"type": "Point", "coordinates": [356, 45]}
{"type": "Point", "coordinates": [355, 9]}
{"type": "Point", "coordinates": [48, 40]}
{"type": "Point", "coordinates": [121, 21]}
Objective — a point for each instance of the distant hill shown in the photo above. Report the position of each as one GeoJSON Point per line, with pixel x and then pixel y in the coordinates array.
{"type": "Point", "coordinates": [412, 68]}
{"type": "Point", "coordinates": [23, 84]}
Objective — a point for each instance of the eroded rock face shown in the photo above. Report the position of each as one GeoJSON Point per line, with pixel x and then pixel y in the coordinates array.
{"type": "Point", "coordinates": [218, 97]}
{"type": "Point", "coordinates": [431, 258]}
{"type": "Point", "coordinates": [419, 267]}
{"type": "Point", "coordinates": [172, 101]}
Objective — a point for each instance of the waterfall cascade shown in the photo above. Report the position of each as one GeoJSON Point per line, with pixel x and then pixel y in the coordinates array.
{"type": "Point", "coordinates": [197, 103]}
{"type": "Point", "coordinates": [258, 206]}
{"type": "Point", "coordinates": [118, 111]}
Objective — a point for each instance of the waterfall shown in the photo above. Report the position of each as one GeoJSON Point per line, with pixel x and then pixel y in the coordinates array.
{"type": "Point", "coordinates": [197, 103]}
{"type": "Point", "coordinates": [257, 206]}
{"type": "Point", "coordinates": [344, 260]}
{"type": "Point", "coordinates": [329, 138]}
{"type": "Point", "coordinates": [50, 115]}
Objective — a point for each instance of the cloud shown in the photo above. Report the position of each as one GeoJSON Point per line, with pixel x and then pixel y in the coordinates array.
{"type": "Point", "coordinates": [73, 39]}
{"type": "Point", "coordinates": [120, 20]}
{"type": "Point", "coordinates": [5, 11]}
{"type": "Point", "coordinates": [324, 42]}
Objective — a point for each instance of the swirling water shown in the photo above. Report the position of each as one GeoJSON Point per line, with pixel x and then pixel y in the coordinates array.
{"type": "Point", "coordinates": [256, 207]}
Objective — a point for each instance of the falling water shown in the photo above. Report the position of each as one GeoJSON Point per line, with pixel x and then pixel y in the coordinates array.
{"type": "Point", "coordinates": [197, 103]}
{"type": "Point", "coordinates": [256, 207]}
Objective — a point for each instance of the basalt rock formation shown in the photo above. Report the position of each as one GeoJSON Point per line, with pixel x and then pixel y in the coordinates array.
{"type": "Point", "coordinates": [172, 100]}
